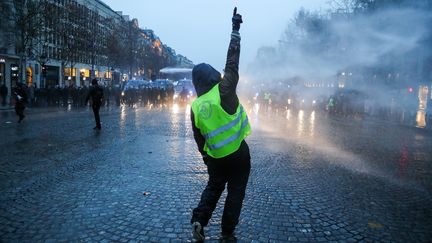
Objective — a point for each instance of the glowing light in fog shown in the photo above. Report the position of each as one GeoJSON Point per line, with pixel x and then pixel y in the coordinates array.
{"type": "Point", "coordinates": [256, 108]}
{"type": "Point", "coordinates": [175, 109]}
{"type": "Point", "coordinates": [421, 119]}
{"type": "Point", "coordinates": [288, 116]}
{"type": "Point", "coordinates": [312, 124]}
{"type": "Point", "coordinates": [421, 112]}
{"type": "Point", "coordinates": [300, 123]}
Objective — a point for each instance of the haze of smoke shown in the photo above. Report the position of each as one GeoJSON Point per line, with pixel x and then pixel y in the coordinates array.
{"type": "Point", "coordinates": [391, 39]}
{"type": "Point", "coordinates": [345, 42]}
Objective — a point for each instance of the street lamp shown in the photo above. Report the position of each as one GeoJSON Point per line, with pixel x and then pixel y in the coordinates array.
{"type": "Point", "coordinates": [43, 59]}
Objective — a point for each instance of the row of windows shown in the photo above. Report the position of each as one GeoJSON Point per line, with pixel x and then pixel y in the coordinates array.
{"type": "Point", "coordinates": [85, 29]}
{"type": "Point", "coordinates": [77, 28]}
{"type": "Point", "coordinates": [78, 57]}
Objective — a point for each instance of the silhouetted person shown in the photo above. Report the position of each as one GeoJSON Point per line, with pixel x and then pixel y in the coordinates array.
{"type": "Point", "coordinates": [117, 95]}
{"type": "Point", "coordinates": [96, 95]}
{"type": "Point", "coordinates": [183, 94]}
{"type": "Point", "coordinates": [20, 100]}
{"type": "Point", "coordinates": [3, 94]}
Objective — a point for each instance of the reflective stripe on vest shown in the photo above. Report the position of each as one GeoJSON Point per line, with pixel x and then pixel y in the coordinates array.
{"type": "Point", "coordinates": [225, 127]}
{"type": "Point", "coordinates": [230, 139]}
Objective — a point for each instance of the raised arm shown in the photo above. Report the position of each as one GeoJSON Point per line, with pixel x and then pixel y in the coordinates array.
{"type": "Point", "coordinates": [229, 82]}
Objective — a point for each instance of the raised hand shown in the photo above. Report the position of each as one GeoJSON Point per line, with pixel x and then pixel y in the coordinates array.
{"type": "Point", "coordinates": [236, 20]}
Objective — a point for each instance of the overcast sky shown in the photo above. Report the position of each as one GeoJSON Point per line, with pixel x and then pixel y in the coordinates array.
{"type": "Point", "coordinates": [200, 29]}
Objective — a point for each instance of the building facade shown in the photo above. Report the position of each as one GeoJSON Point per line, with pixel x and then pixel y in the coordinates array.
{"type": "Point", "coordinates": [68, 42]}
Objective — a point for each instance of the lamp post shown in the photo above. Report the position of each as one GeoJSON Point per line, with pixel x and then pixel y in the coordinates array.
{"type": "Point", "coordinates": [43, 60]}
{"type": "Point", "coordinates": [82, 77]}
{"type": "Point", "coordinates": [112, 76]}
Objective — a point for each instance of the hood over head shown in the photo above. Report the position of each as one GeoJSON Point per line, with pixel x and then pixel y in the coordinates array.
{"type": "Point", "coordinates": [204, 77]}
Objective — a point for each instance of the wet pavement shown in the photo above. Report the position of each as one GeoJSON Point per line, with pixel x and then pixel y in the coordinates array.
{"type": "Point", "coordinates": [314, 178]}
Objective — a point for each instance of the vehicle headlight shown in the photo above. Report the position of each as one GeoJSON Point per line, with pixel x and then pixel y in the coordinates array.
{"type": "Point", "coordinates": [122, 93]}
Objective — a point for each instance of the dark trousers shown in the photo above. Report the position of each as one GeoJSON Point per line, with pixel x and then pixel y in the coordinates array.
{"type": "Point", "coordinates": [96, 109]}
{"type": "Point", "coordinates": [232, 171]}
{"type": "Point", "coordinates": [19, 110]}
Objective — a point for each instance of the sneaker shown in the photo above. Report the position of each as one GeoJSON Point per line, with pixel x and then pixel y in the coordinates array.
{"type": "Point", "coordinates": [197, 232]}
{"type": "Point", "coordinates": [21, 118]}
{"type": "Point", "coordinates": [228, 238]}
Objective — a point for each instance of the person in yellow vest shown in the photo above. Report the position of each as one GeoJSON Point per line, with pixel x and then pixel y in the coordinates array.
{"type": "Point", "coordinates": [220, 125]}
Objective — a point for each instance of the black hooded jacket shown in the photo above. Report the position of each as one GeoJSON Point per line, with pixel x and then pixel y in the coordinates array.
{"type": "Point", "coordinates": [205, 77]}
{"type": "Point", "coordinates": [20, 94]}
{"type": "Point", "coordinates": [96, 94]}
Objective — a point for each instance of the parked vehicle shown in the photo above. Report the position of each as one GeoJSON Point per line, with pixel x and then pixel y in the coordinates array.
{"type": "Point", "coordinates": [162, 83]}
{"type": "Point", "coordinates": [136, 84]}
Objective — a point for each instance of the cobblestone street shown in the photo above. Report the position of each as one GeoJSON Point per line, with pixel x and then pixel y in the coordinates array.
{"type": "Point", "coordinates": [314, 178]}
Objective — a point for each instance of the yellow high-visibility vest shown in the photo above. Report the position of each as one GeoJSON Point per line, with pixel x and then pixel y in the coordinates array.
{"type": "Point", "coordinates": [223, 132]}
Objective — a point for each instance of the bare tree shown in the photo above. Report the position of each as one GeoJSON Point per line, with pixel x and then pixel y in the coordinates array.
{"type": "Point", "coordinates": [68, 26]}
{"type": "Point", "coordinates": [26, 18]}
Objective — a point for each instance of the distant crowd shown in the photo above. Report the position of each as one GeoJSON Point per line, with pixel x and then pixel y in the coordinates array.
{"type": "Point", "coordinates": [75, 96]}
{"type": "Point", "coordinates": [347, 104]}
{"type": "Point", "coordinates": [147, 95]}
